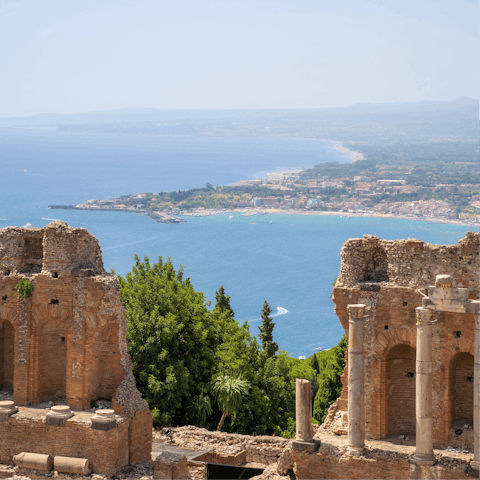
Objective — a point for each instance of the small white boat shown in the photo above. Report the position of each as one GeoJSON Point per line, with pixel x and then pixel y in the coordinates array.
{"type": "Point", "coordinates": [27, 225]}
{"type": "Point", "coordinates": [318, 349]}
{"type": "Point", "coordinates": [302, 357]}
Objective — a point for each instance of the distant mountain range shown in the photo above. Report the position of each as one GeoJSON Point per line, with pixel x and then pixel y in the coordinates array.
{"type": "Point", "coordinates": [377, 123]}
{"type": "Point", "coordinates": [154, 114]}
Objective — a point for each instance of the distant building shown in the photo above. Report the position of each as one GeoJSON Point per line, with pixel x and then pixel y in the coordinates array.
{"type": "Point", "coordinates": [266, 201]}
{"type": "Point", "coordinates": [360, 178]}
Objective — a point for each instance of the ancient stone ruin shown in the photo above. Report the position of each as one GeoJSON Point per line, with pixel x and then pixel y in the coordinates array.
{"type": "Point", "coordinates": [411, 312]}
{"type": "Point", "coordinates": [409, 406]}
{"type": "Point", "coordinates": [63, 351]}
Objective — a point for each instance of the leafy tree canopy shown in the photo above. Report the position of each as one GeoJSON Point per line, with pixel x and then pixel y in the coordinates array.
{"type": "Point", "coordinates": [266, 332]}
{"type": "Point", "coordinates": [331, 364]}
{"type": "Point", "coordinates": [172, 338]}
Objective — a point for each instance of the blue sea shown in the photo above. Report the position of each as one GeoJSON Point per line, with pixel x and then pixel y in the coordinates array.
{"type": "Point", "coordinates": [289, 260]}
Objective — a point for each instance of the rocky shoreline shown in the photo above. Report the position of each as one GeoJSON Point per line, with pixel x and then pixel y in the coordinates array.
{"type": "Point", "coordinates": [159, 217]}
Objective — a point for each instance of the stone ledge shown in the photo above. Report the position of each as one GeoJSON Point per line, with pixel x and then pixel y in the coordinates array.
{"type": "Point", "coordinates": [305, 446]}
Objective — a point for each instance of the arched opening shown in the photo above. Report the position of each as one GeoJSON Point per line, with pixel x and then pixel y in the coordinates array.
{"type": "Point", "coordinates": [7, 356]}
{"type": "Point", "coordinates": [400, 390]}
{"type": "Point", "coordinates": [461, 389]}
{"type": "Point", "coordinates": [52, 360]}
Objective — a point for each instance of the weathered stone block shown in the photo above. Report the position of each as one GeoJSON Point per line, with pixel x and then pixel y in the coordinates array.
{"type": "Point", "coordinates": [168, 466]}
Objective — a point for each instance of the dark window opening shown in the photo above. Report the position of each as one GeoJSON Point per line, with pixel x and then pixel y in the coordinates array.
{"type": "Point", "coordinates": [409, 375]}
{"type": "Point", "coordinates": [405, 304]}
{"type": "Point", "coordinates": [54, 302]}
{"type": "Point", "coordinates": [386, 327]}
{"type": "Point", "coordinates": [4, 299]}
{"type": "Point", "coordinates": [8, 272]}
{"type": "Point", "coordinates": [55, 274]}
{"type": "Point", "coordinates": [469, 379]}
{"type": "Point", "coordinates": [63, 339]}
{"type": "Point", "coordinates": [457, 334]}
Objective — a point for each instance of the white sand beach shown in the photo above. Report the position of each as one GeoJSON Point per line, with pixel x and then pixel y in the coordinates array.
{"type": "Point", "coordinates": [353, 155]}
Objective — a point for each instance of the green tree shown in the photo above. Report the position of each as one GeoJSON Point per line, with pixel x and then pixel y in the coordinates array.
{"type": "Point", "coordinates": [228, 393]}
{"type": "Point", "coordinates": [173, 338]}
{"type": "Point", "coordinates": [266, 331]}
{"type": "Point", "coordinates": [314, 364]}
{"type": "Point", "coordinates": [202, 407]}
{"type": "Point", "coordinates": [331, 366]}
{"type": "Point", "coordinates": [223, 302]}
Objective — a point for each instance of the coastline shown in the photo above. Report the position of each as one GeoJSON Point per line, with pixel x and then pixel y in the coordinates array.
{"type": "Point", "coordinates": [252, 211]}
{"type": "Point", "coordinates": [179, 215]}
{"type": "Point", "coordinates": [354, 156]}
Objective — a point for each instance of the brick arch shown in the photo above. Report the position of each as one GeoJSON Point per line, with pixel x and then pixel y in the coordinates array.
{"type": "Point", "coordinates": [391, 338]}
{"type": "Point", "coordinates": [45, 313]}
{"type": "Point", "coordinates": [10, 314]}
{"type": "Point", "coordinates": [98, 321]}
{"type": "Point", "coordinates": [448, 355]}
{"type": "Point", "coordinates": [457, 345]}
{"type": "Point", "coordinates": [386, 341]}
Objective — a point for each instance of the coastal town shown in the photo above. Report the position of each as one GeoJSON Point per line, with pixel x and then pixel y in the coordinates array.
{"type": "Point", "coordinates": [357, 189]}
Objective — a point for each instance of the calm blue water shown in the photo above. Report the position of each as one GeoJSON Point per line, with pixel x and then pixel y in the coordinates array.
{"type": "Point", "coordinates": [291, 260]}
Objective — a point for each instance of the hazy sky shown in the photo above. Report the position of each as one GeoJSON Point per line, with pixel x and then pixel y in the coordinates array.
{"type": "Point", "coordinates": [73, 56]}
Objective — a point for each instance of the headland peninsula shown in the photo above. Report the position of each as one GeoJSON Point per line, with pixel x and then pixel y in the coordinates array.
{"type": "Point", "coordinates": [375, 184]}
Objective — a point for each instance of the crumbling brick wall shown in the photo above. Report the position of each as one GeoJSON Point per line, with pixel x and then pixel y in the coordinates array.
{"type": "Point", "coordinates": [388, 276]}
{"type": "Point", "coordinates": [67, 340]}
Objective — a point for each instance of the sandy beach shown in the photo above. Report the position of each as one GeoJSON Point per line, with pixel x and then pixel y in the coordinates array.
{"type": "Point", "coordinates": [251, 211]}
{"type": "Point", "coordinates": [354, 156]}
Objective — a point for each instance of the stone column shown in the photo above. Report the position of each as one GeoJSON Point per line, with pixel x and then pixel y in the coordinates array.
{"type": "Point", "coordinates": [423, 396]}
{"type": "Point", "coordinates": [476, 394]}
{"type": "Point", "coordinates": [356, 379]}
{"type": "Point", "coordinates": [303, 410]}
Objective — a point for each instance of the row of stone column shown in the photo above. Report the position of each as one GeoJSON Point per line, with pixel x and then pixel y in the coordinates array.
{"type": "Point", "coordinates": [424, 408]}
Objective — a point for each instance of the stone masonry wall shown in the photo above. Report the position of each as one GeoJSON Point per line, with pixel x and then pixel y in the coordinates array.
{"type": "Point", "coordinates": [409, 263]}
{"type": "Point", "coordinates": [67, 340]}
{"type": "Point", "coordinates": [388, 276]}
{"type": "Point", "coordinates": [107, 451]}
{"type": "Point", "coordinates": [335, 463]}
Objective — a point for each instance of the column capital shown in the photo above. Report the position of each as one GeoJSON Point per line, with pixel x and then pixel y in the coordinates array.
{"type": "Point", "coordinates": [424, 316]}
{"type": "Point", "coordinates": [356, 311]}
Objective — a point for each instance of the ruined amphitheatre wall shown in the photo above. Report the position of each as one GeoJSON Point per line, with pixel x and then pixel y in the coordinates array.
{"type": "Point", "coordinates": [388, 276]}
{"type": "Point", "coordinates": [67, 340]}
